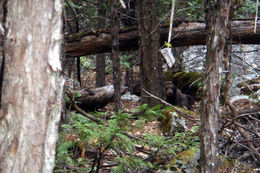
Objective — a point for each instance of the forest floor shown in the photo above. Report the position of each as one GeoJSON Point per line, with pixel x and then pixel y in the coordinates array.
{"type": "Point", "coordinates": [233, 150]}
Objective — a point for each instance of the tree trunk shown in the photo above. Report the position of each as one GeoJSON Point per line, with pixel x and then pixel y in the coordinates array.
{"type": "Point", "coordinates": [150, 57]}
{"type": "Point", "coordinates": [32, 86]}
{"type": "Point", "coordinates": [185, 34]}
{"type": "Point", "coordinates": [217, 15]}
{"type": "Point", "coordinates": [115, 55]}
{"type": "Point", "coordinates": [100, 70]}
{"type": "Point", "coordinates": [2, 38]}
{"type": "Point", "coordinates": [100, 60]}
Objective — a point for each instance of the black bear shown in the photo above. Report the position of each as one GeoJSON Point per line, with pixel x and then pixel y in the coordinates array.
{"type": "Point", "coordinates": [176, 97]}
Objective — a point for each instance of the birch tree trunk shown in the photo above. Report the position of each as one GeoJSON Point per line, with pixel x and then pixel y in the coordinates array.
{"type": "Point", "coordinates": [217, 15]}
{"type": "Point", "coordinates": [32, 86]}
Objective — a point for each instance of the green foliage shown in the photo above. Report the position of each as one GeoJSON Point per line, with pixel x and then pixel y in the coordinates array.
{"type": "Point", "coordinates": [111, 136]}
{"type": "Point", "coordinates": [66, 156]}
{"type": "Point", "coordinates": [178, 143]}
{"type": "Point", "coordinates": [87, 62]}
{"type": "Point", "coordinates": [126, 163]}
{"type": "Point", "coordinates": [73, 5]}
{"type": "Point", "coordinates": [124, 61]}
{"type": "Point", "coordinates": [96, 136]}
{"type": "Point", "coordinates": [195, 10]}
{"type": "Point", "coordinates": [188, 140]}
{"type": "Point", "coordinates": [150, 113]}
{"type": "Point", "coordinates": [188, 10]}
{"type": "Point", "coordinates": [247, 10]}
{"type": "Point", "coordinates": [76, 94]}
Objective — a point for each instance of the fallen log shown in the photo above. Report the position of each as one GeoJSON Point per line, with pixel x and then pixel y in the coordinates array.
{"type": "Point", "coordinates": [92, 100]}
{"type": "Point", "coordinates": [184, 34]}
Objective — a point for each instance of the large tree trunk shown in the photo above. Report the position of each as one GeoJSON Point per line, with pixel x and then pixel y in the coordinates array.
{"type": "Point", "coordinates": [32, 87]}
{"type": "Point", "coordinates": [185, 34]}
{"type": "Point", "coordinates": [217, 15]}
{"type": "Point", "coordinates": [150, 57]}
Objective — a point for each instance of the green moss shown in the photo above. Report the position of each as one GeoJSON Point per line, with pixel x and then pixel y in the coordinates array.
{"type": "Point", "coordinates": [166, 120]}
{"type": "Point", "coordinates": [166, 124]}
{"type": "Point", "coordinates": [187, 82]}
{"type": "Point", "coordinates": [186, 156]}
{"type": "Point", "coordinates": [168, 76]}
{"type": "Point", "coordinates": [186, 160]}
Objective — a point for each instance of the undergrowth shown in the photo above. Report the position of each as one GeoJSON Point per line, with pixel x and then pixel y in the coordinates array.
{"type": "Point", "coordinates": [84, 145]}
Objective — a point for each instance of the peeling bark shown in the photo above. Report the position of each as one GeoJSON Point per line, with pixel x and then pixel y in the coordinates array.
{"type": "Point", "coordinates": [32, 87]}
{"type": "Point", "coordinates": [217, 15]}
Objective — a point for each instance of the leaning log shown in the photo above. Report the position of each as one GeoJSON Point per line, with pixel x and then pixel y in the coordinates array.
{"type": "Point", "coordinates": [91, 100]}
{"type": "Point", "coordinates": [184, 34]}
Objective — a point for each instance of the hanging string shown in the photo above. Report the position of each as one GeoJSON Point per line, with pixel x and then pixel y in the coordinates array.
{"type": "Point", "coordinates": [171, 21]}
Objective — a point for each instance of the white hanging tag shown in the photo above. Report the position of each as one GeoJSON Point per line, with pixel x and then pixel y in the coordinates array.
{"type": "Point", "coordinates": [167, 54]}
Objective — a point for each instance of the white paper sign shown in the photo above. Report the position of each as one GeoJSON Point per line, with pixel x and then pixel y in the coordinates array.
{"type": "Point", "coordinates": [167, 54]}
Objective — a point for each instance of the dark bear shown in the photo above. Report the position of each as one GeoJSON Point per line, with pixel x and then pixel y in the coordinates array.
{"type": "Point", "coordinates": [176, 97]}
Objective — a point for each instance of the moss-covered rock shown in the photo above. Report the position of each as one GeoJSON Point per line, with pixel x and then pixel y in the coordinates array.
{"type": "Point", "coordinates": [172, 123]}
{"type": "Point", "coordinates": [186, 161]}
{"type": "Point", "coordinates": [188, 82]}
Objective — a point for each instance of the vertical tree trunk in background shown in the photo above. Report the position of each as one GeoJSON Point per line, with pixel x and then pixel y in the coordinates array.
{"type": "Point", "coordinates": [100, 60]}
{"type": "Point", "coordinates": [150, 57]}
{"type": "Point", "coordinates": [217, 15]}
{"type": "Point", "coordinates": [78, 58]}
{"type": "Point", "coordinates": [1, 35]}
{"type": "Point", "coordinates": [129, 72]}
{"type": "Point", "coordinates": [2, 38]}
{"type": "Point", "coordinates": [32, 87]}
{"type": "Point", "coordinates": [100, 70]}
{"type": "Point", "coordinates": [115, 55]}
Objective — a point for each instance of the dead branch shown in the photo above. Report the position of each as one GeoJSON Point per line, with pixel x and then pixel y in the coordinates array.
{"type": "Point", "coordinates": [75, 106]}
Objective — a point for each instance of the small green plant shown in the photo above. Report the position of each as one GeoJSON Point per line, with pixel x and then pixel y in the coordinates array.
{"type": "Point", "coordinates": [124, 61]}
{"type": "Point", "coordinates": [87, 63]}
